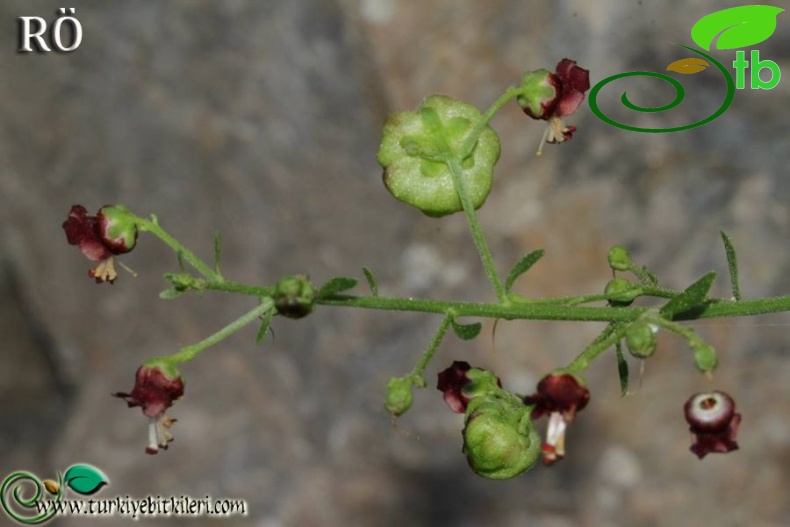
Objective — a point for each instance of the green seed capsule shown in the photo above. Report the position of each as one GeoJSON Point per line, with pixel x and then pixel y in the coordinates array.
{"type": "Point", "coordinates": [416, 147]}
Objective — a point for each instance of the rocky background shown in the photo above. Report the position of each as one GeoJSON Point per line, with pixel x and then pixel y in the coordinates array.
{"type": "Point", "coordinates": [261, 120]}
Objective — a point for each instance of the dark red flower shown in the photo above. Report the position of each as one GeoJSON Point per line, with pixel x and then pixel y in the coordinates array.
{"type": "Point", "coordinates": [451, 381]}
{"type": "Point", "coordinates": [560, 396]}
{"type": "Point", "coordinates": [549, 96]}
{"type": "Point", "coordinates": [574, 81]}
{"type": "Point", "coordinates": [460, 383]}
{"type": "Point", "coordinates": [154, 392]}
{"type": "Point", "coordinates": [713, 423]}
{"type": "Point", "coordinates": [101, 237]}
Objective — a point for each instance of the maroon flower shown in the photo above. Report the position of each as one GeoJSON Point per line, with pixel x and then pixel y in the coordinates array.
{"type": "Point", "coordinates": [155, 391]}
{"type": "Point", "coordinates": [560, 396]}
{"type": "Point", "coordinates": [713, 423]}
{"type": "Point", "coordinates": [451, 382]}
{"type": "Point", "coordinates": [101, 237]}
{"type": "Point", "coordinates": [549, 96]}
{"type": "Point", "coordinates": [460, 383]}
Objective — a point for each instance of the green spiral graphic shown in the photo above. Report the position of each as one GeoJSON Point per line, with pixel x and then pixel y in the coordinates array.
{"type": "Point", "coordinates": [17, 478]}
{"type": "Point", "coordinates": [679, 91]}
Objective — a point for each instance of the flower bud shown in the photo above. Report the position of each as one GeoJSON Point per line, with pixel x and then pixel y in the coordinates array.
{"type": "Point", "coordinates": [500, 441]}
{"type": "Point", "coordinates": [704, 357]}
{"type": "Point", "coordinates": [414, 151]}
{"type": "Point", "coordinates": [117, 228]}
{"type": "Point", "coordinates": [619, 259]}
{"type": "Point", "coordinates": [621, 292]}
{"type": "Point", "coordinates": [399, 396]}
{"type": "Point", "coordinates": [640, 339]}
{"type": "Point", "coordinates": [294, 296]}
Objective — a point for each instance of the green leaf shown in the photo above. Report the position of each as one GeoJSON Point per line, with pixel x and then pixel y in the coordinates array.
{"type": "Point", "coordinates": [335, 286]}
{"type": "Point", "coordinates": [84, 479]}
{"type": "Point", "coordinates": [217, 249]}
{"type": "Point", "coordinates": [374, 287]}
{"type": "Point", "coordinates": [170, 294]}
{"type": "Point", "coordinates": [732, 263]}
{"type": "Point", "coordinates": [522, 267]}
{"type": "Point", "coordinates": [691, 297]}
{"type": "Point", "coordinates": [265, 325]}
{"type": "Point", "coordinates": [736, 27]}
{"type": "Point", "coordinates": [466, 331]}
{"type": "Point", "coordinates": [622, 368]}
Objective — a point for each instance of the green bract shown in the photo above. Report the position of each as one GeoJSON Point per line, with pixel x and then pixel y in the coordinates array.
{"type": "Point", "coordinates": [417, 146]}
{"type": "Point", "coordinates": [500, 441]}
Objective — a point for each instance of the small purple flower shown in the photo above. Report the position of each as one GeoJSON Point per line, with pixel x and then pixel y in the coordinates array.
{"type": "Point", "coordinates": [560, 396]}
{"type": "Point", "coordinates": [713, 423]}
{"type": "Point", "coordinates": [101, 237]}
{"type": "Point", "coordinates": [154, 392]}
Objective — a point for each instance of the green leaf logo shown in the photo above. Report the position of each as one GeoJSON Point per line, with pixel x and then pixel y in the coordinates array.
{"type": "Point", "coordinates": [85, 479]}
{"type": "Point", "coordinates": [736, 27]}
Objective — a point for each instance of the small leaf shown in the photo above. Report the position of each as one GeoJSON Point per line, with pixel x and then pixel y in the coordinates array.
{"type": "Point", "coordinates": [622, 368]}
{"type": "Point", "coordinates": [732, 263]}
{"type": "Point", "coordinates": [522, 267]}
{"type": "Point", "coordinates": [170, 294]}
{"type": "Point", "coordinates": [736, 27]}
{"type": "Point", "coordinates": [85, 479]}
{"type": "Point", "coordinates": [335, 286]}
{"type": "Point", "coordinates": [265, 325]}
{"type": "Point", "coordinates": [374, 287]}
{"type": "Point", "coordinates": [217, 249]}
{"type": "Point", "coordinates": [691, 297]}
{"type": "Point", "coordinates": [688, 66]}
{"type": "Point", "coordinates": [466, 331]}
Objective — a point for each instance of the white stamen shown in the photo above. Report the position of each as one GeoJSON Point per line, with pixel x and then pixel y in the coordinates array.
{"type": "Point", "coordinates": [555, 433]}
{"type": "Point", "coordinates": [153, 439]}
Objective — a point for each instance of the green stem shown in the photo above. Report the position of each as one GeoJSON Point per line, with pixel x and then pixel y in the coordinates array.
{"type": "Point", "coordinates": [474, 227]}
{"type": "Point", "coordinates": [474, 134]}
{"type": "Point", "coordinates": [154, 228]}
{"type": "Point", "coordinates": [598, 346]}
{"type": "Point", "coordinates": [187, 353]}
{"type": "Point", "coordinates": [433, 345]}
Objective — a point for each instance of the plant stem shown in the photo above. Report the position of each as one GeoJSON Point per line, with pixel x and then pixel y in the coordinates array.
{"type": "Point", "coordinates": [598, 346]}
{"type": "Point", "coordinates": [474, 134]}
{"type": "Point", "coordinates": [154, 228]}
{"type": "Point", "coordinates": [187, 353]}
{"type": "Point", "coordinates": [433, 345]}
{"type": "Point", "coordinates": [474, 227]}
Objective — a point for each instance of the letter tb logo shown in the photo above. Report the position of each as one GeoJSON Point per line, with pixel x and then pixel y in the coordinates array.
{"type": "Point", "coordinates": [755, 80]}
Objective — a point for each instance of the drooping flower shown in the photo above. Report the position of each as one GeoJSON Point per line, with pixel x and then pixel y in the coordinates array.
{"type": "Point", "coordinates": [713, 423]}
{"type": "Point", "coordinates": [157, 386]}
{"type": "Point", "coordinates": [561, 396]}
{"type": "Point", "coordinates": [550, 96]}
{"type": "Point", "coordinates": [111, 232]}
